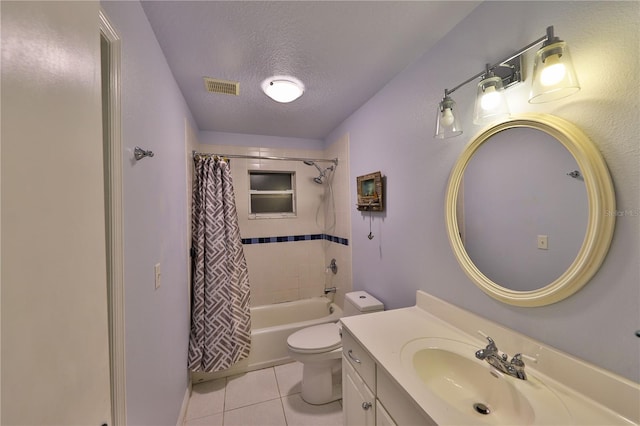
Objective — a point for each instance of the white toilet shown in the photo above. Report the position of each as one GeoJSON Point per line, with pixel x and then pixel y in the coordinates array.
{"type": "Point", "coordinates": [319, 349]}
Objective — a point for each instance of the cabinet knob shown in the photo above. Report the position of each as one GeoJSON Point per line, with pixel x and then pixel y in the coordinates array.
{"type": "Point", "coordinates": [366, 405]}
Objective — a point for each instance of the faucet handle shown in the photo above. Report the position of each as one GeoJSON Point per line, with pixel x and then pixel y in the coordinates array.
{"type": "Point", "coordinates": [492, 343]}
{"type": "Point", "coordinates": [516, 367]}
{"type": "Point", "coordinates": [517, 359]}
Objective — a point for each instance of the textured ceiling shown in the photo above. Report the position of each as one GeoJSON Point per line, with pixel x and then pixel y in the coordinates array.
{"type": "Point", "coordinates": [343, 51]}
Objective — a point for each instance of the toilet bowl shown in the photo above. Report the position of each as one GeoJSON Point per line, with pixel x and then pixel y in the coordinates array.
{"type": "Point", "coordinates": [319, 349]}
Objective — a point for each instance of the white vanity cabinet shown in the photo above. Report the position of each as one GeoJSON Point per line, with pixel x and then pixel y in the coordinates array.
{"type": "Point", "coordinates": [360, 406]}
{"type": "Point", "coordinates": [370, 397]}
{"type": "Point", "coordinates": [358, 401]}
{"type": "Point", "coordinates": [358, 380]}
{"type": "Point", "coordinates": [381, 370]}
{"type": "Point", "coordinates": [382, 417]}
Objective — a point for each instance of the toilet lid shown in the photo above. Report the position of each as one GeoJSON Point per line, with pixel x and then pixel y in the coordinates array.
{"type": "Point", "coordinates": [319, 338]}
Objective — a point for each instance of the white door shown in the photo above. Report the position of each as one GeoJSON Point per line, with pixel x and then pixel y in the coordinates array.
{"type": "Point", "coordinates": [55, 351]}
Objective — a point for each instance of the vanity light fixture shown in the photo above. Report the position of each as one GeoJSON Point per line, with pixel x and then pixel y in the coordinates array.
{"type": "Point", "coordinates": [491, 103]}
{"type": "Point", "coordinates": [283, 89]}
{"type": "Point", "coordinates": [447, 122]}
{"type": "Point", "coordinates": [553, 78]}
{"type": "Point", "coordinates": [553, 74]}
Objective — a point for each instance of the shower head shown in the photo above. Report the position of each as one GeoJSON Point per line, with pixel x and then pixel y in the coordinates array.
{"type": "Point", "coordinates": [323, 174]}
{"type": "Point", "coordinates": [320, 179]}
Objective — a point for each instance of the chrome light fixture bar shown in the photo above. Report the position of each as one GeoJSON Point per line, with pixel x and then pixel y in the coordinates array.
{"type": "Point", "coordinates": [553, 78]}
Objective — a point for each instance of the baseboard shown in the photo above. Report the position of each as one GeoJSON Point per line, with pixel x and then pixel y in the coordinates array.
{"type": "Point", "coordinates": [238, 368]}
{"type": "Point", "coordinates": [185, 405]}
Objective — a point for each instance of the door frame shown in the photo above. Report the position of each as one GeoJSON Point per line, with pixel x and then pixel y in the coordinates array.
{"type": "Point", "coordinates": [114, 218]}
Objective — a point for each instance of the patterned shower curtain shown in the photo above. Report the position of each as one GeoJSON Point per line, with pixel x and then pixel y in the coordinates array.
{"type": "Point", "coordinates": [220, 318]}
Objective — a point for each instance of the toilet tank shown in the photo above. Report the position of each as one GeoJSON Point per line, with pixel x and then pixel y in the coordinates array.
{"type": "Point", "coordinates": [360, 302]}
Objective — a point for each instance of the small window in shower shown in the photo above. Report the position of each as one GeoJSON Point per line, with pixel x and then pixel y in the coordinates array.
{"type": "Point", "coordinates": [271, 194]}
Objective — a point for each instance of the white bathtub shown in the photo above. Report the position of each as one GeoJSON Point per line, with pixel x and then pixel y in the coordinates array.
{"type": "Point", "coordinates": [270, 327]}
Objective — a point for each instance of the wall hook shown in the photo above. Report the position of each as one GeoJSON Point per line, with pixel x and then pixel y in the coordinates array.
{"type": "Point", "coordinates": [140, 153]}
{"type": "Point", "coordinates": [575, 174]}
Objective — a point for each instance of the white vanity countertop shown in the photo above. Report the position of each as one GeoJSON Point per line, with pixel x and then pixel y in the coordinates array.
{"type": "Point", "coordinates": [578, 384]}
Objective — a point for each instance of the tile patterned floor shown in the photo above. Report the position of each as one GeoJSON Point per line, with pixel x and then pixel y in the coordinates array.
{"type": "Point", "coordinates": [269, 397]}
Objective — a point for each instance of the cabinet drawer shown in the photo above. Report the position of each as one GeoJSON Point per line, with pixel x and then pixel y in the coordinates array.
{"type": "Point", "coordinates": [359, 359]}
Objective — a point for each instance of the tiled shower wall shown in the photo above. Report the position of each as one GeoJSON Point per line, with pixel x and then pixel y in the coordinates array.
{"type": "Point", "coordinates": [292, 270]}
{"type": "Point", "coordinates": [342, 224]}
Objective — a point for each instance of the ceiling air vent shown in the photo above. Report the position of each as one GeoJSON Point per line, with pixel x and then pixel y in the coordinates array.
{"type": "Point", "coordinates": [214, 85]}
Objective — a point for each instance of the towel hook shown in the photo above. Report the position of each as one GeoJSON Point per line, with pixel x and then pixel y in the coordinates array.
{"type": "Point", "coordinates": [140, 153]}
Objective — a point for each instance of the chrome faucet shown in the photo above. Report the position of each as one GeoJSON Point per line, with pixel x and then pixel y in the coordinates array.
{"type": "Point", "coordinates": [329, 290]}
{"type": "Point", "coordinates": [499, 360]}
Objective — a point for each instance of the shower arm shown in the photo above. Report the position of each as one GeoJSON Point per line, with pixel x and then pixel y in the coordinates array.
{"type": "Point", "coordinates": [313, 163]}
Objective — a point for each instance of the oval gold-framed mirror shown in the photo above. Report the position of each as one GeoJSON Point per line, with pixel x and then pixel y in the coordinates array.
{"type": "Point", "coordinates": [600, 216]}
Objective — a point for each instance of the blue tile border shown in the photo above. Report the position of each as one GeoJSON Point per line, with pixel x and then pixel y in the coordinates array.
{"type": "Point", "coordinates": [304, 237]}
{"type": "Point", "coordinates": [339, 240]}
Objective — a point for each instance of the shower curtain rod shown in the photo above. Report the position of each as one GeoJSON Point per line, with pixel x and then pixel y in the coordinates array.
{"type": "Point", "coordinates": [257, 157]}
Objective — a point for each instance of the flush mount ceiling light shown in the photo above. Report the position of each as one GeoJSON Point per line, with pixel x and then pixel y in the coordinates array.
{"type": "Point", "coordinates": [553, 78]}
{"type": "Point", "coordinates": [283, 89]}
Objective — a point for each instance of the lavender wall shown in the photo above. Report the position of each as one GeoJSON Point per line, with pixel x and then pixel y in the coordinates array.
{"type": "Point", "coordinates": [155, 217]}
{"type": "Point", "coordinates": [262, 141]}
{"type": "Point", "coordinates": [393, 133]}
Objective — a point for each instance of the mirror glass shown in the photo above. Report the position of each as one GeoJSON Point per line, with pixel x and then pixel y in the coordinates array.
{"type": "Point", "coordinates": [524, 210]}
{"type": "Point", "coordinates": [522, 216]}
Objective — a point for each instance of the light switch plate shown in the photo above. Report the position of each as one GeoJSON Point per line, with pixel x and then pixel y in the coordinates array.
{"type": "Point", "coordinates": [156, 270]}
{"type": "Point", "coordinates": [543, 243]}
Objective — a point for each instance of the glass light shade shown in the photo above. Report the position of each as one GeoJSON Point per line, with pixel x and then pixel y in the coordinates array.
{"type": "Point", "coordinates": [491, 103]}
{"type": "Point", "coordinates": [447, 122]}
{"type": "Point", "coordinates": [553, 74]}
{"type": "Point", "coordinates": [283, 89]}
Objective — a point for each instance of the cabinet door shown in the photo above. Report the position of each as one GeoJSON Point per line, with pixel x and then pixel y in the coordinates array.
{"type": "Point", "coordinates": [398, 403]}
{"type": "Point", "coordinates": [382, 417]}
{"type": "Point", "coordinates": [358, 402]}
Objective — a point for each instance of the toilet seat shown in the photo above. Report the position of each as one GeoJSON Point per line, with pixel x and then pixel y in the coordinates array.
{"type": "Point", "coordinates": [316, 339]}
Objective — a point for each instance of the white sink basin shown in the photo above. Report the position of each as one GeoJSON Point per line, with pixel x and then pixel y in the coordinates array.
{"type": "Point", "coordinates": [473, 392]}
